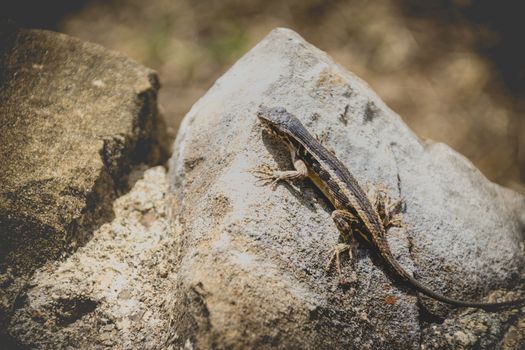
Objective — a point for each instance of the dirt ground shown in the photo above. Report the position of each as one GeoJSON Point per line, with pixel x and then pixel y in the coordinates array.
{"type": "Point", "coordinates": [450, 68]}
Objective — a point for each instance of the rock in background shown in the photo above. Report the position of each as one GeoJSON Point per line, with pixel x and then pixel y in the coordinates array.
{"type": "Point", "coordinates": [75, 118]}
{"type": "Point", "coordinates": [116, 292]}
{"type": "Point", "coordinates": [251, 261]}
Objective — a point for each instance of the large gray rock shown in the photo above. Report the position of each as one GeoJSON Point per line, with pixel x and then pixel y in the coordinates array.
{"type": "Point", "coordinates": [114, 292]}
{"type": "Point", "coordinates": [251, 261]}
{"type": "Point", "coordinates": [74, 119]}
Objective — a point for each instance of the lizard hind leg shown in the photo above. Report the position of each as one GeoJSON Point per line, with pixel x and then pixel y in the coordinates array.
{"type": "Point", "coordinates": [388, 209]}
{"type": "Point", "coordinates": [322, 138]}
{"type": "Point", "coordinates": [345, 222]}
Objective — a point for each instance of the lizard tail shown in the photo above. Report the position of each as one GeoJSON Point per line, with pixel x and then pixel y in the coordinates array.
{"type": "Point", "coordinates": [463, 303]}
{"type": "Point", "coordinates": [420, 287]}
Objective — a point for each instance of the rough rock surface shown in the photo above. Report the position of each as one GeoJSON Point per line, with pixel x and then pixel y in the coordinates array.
{"type": "Point", "coordinates": [74, 119]}
{"type": "Point", "coordinates": [251, 261]}
{"type": "Point", "coordinates": [115, 291]}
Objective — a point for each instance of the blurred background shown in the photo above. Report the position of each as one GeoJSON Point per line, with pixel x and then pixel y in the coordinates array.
{"type": "Point", "coordinates": [453, 69]}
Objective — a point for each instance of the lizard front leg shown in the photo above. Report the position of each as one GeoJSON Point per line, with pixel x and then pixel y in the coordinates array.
{"type": "Point", "coordinates": [272, 176]}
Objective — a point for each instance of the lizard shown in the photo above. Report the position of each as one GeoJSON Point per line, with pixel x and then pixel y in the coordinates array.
{"type": "Point", "coordinates": [353, 210]}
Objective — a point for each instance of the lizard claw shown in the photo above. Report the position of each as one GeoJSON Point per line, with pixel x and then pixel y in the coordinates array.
{"type": "Point", "coordinates": [266, 175]}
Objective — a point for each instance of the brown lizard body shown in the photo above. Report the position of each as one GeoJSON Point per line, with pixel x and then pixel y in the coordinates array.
{"type": "Point", "coordinates": [352, 206]}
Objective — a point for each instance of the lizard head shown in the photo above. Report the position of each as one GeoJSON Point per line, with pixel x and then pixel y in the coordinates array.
{"type": "Point", "coordinates": [275, 120]}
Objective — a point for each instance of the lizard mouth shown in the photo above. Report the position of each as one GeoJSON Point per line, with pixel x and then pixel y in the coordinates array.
{"type": "Point", "coordinates": [267, 128]}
